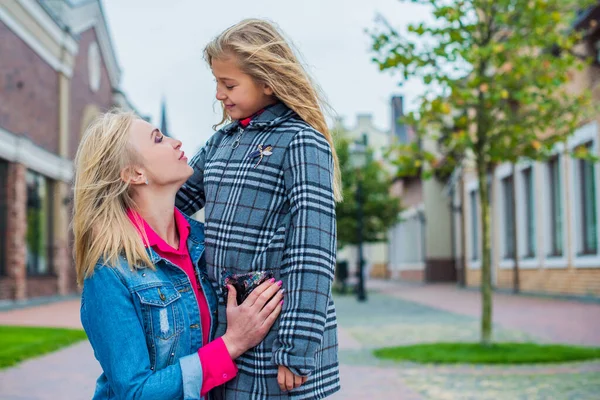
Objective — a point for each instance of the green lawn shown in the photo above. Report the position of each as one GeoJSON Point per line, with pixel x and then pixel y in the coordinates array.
{"type": "Point", "coordinates": [499, 353]}
{"type": "Point", "coordinates": [19, 343]}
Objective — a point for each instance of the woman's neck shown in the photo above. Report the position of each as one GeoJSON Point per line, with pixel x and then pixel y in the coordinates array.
{"type": "Point", "coordinates": [158, 210]}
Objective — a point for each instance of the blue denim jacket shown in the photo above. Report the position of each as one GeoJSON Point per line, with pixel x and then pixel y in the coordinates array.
{"type": "Point", "coordinates": [144, 326]}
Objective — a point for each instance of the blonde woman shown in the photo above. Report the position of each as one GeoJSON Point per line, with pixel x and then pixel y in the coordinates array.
{"type": "Point", "coordinates": [146, 306]}
{"type": "Point", "coordinates": [269, 181]}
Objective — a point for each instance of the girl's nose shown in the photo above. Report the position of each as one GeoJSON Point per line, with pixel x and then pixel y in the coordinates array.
{"type": "Point", "coordinates": [221, 96]}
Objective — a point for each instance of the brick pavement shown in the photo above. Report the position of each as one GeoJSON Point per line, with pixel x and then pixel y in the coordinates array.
{"type": "Point", "coordinates": [406, 313]}
{"type": "Point", "coordinates": [556, 320]}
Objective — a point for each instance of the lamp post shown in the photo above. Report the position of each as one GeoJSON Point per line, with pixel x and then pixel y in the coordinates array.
{"type": "Point", "coordinates": [359, 161]}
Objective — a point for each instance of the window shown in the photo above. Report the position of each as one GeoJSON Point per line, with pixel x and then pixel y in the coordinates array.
{"type": "Point", "coordinates": [474, 226]}
{"type": "Point", "coordinates": [509, 217]}
{"type": "Point", "coordinates": [556, 226]}
{"type": "Point", "coordinates": [39, 224]}
{"type": "Point", "coordinates": [588, 217]}
{"type": "Point", "coordinates": [529, 212]}
{"type": "Point", "coordinates": [3, 214]}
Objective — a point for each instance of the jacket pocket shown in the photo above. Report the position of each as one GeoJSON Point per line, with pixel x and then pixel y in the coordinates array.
{"type": "Point", "coordinates": [161, 311]}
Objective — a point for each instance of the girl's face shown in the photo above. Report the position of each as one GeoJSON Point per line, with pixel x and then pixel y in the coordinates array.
{"type": "Point", "coordinates": [240, 94]}
{"type": "Point", "coordinates": [160, 157]}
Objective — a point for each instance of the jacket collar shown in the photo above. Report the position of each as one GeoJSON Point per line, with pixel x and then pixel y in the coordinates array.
{"type": "Point", "coordinates": [272, 116]}
{"type": "Point", "coordinates": [195, 241]}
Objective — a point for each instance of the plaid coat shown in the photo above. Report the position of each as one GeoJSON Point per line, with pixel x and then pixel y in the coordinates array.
{"type": "Point", "coordinates": [276, 213]}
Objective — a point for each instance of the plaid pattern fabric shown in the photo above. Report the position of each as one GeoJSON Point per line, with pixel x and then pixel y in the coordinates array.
{"type": "Point", "coordinates": [276, 213]}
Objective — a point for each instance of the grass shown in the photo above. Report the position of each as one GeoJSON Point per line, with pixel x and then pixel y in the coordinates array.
{"type": "Point", "coordinates": [498, 353]}
{"type": "Point", "coordinates": [19, 343]}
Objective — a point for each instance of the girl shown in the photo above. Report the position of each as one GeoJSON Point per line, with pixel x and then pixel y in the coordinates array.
{"type": "Point", "coordinates": [146, 306]}
{"type": "Point", "coordinates": [269, 181]}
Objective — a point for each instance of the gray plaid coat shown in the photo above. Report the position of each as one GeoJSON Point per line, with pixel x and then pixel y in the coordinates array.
{"type": "Point", "coordinates": [276, 213]}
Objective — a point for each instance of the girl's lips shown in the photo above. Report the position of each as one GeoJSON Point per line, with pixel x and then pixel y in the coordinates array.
{"type": "Point", "coordinates": [229, 106]}
{"type": "Point", "coordinates": [182, 156]}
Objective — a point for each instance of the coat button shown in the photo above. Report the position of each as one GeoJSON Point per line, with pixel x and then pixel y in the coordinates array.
{"type": "Point", "coordinates": [144, 274]}
{"type": "Point", "coordinates": [224, 376]}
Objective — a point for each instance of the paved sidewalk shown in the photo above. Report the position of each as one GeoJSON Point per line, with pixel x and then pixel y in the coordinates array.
{"type": "Point", "coordinates": [68, 374]}
{"type": "Point", "coordinates": [397, 314]}
{"type": "Point", "coordinates": [554, 320]}
{"type": "Point", "coordinates": [64, 314]}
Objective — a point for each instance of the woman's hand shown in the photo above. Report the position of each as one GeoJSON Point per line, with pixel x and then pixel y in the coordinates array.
{"type": "Point", "coordinates": [249, 322]}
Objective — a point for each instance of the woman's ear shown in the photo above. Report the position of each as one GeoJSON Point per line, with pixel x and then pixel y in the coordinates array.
{"type": "Point", "coordinates": [133, 176]}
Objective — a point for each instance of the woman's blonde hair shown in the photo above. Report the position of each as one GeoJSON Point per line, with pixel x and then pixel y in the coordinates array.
{"type": "Point", "coordinates": [263, 53]}
{"type": "Point", "coordinates": [101, 226]}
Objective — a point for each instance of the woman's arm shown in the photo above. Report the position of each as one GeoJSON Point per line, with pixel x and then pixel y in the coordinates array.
{"type": "Point", "coordinates": [110, 320]}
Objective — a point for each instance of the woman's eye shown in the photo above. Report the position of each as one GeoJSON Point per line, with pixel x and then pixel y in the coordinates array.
{"type": "Point", "coordinates": [229, 87]}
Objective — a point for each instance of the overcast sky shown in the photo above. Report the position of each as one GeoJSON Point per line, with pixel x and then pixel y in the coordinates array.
{"type": "Point", "coordinates": [159, 46]}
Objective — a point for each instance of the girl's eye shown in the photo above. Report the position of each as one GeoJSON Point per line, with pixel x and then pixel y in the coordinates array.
{"type": "Point", "coordinates": [229, 87]}
{"type": "Point", "coordinates": [158, 139]}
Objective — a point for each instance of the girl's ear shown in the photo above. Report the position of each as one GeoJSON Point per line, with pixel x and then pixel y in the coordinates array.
{"type": "Point", "coordinates": [267, 90]}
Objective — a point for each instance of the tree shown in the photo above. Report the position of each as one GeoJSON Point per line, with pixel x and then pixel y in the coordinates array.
{"type": "Point", "coordinates": [497, 74]}
{"type": "Point", "coordinates": [380, 209]}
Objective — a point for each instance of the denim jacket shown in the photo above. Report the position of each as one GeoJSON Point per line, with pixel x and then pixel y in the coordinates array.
{"type": "Point", "coordinates": [144, 326]}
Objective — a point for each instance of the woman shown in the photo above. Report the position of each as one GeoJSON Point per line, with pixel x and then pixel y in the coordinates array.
{"type": "Point", "coordinates": [146, 304]}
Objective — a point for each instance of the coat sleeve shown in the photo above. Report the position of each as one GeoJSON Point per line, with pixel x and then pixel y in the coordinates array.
{"type": "Point", "coordinates": [308, 264]}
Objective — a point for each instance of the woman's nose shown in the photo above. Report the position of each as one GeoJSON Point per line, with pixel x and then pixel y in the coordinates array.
{"type": "Point", "coordinates": [176, 143]}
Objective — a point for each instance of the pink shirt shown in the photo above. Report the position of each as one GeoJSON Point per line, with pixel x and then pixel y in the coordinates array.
{"type": "Point", "coordinates": [217, 365]}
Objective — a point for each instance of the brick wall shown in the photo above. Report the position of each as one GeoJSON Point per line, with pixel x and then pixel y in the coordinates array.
{"type": "Point", "coordinates": [29, 91]}
{"type": "Point", "coordinates": [15, 282]}
{"type": "Point", "coordinates": [569, 281]}
{"type": "Point", "coordinates": [81, 94]}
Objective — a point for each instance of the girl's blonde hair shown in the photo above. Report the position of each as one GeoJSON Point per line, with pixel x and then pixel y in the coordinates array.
{"type": "Point", "coordinates": [263, 53]}
{"type": "Point", "coordinates": [101, 226]}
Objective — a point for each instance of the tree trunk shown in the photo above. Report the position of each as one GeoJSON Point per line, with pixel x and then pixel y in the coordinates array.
{"type": "Point", "coordinates": [516, 284]}
{"type": "Point", "coordinates": [486, 275]}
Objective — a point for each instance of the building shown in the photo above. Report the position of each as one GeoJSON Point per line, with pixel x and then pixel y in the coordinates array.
{"type": "Point", "coordinates": [375, 254]}
{"type": "Point", "coordinates": [557, 208]}
{"type": "Point", "coordinates": [420, 246]}
{"type": "Point", "coordinates": [58, 70]}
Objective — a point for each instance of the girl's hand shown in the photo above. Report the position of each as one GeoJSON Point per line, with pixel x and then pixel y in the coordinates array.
{"type": "Point", "coordinates": [287, 380]}
{"type": "Point", "coordinates": [249, 322]}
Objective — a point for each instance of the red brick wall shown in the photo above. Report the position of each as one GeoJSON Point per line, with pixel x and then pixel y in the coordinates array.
{"type": "Point", "coordinates": [412, 276]}
{"type": "Point", "coordinates": [15, 282]}
{"type": "Point", "coordinates": [29, 92]}
{"type": "Point", "coordinates": [81, 94]}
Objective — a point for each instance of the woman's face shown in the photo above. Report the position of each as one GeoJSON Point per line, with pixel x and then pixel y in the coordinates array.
{"type": "Point", "coordinates": [161, 160]}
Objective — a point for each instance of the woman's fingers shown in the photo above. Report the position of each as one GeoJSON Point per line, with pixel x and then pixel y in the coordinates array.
{"type": "Point", "coordinates": [271, 305]}
{"type": "Point", "coordinates": [231, 299]}
{"type": "Point", "coordinates": [251, 299]}
{"type": "Point", "coordinates": [266, 295]}
{"type": "Point", "coordinates": [271, 318]}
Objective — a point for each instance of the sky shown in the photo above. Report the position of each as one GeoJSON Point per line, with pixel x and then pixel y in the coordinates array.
{"type": "Point", "coordinates": [159, 46]}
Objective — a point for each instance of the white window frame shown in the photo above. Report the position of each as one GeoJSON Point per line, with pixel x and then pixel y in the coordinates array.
{"type": "Point", "coordinates": [535, 261]}
{"type": "Point", "coordinates": [548, 261]}
{"type": "Point", "coordinates": [503, 171]}
{"type": "Point", "coordinates": [472, 263]}
{"type": "Point", "coordinates": [585, 134]}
